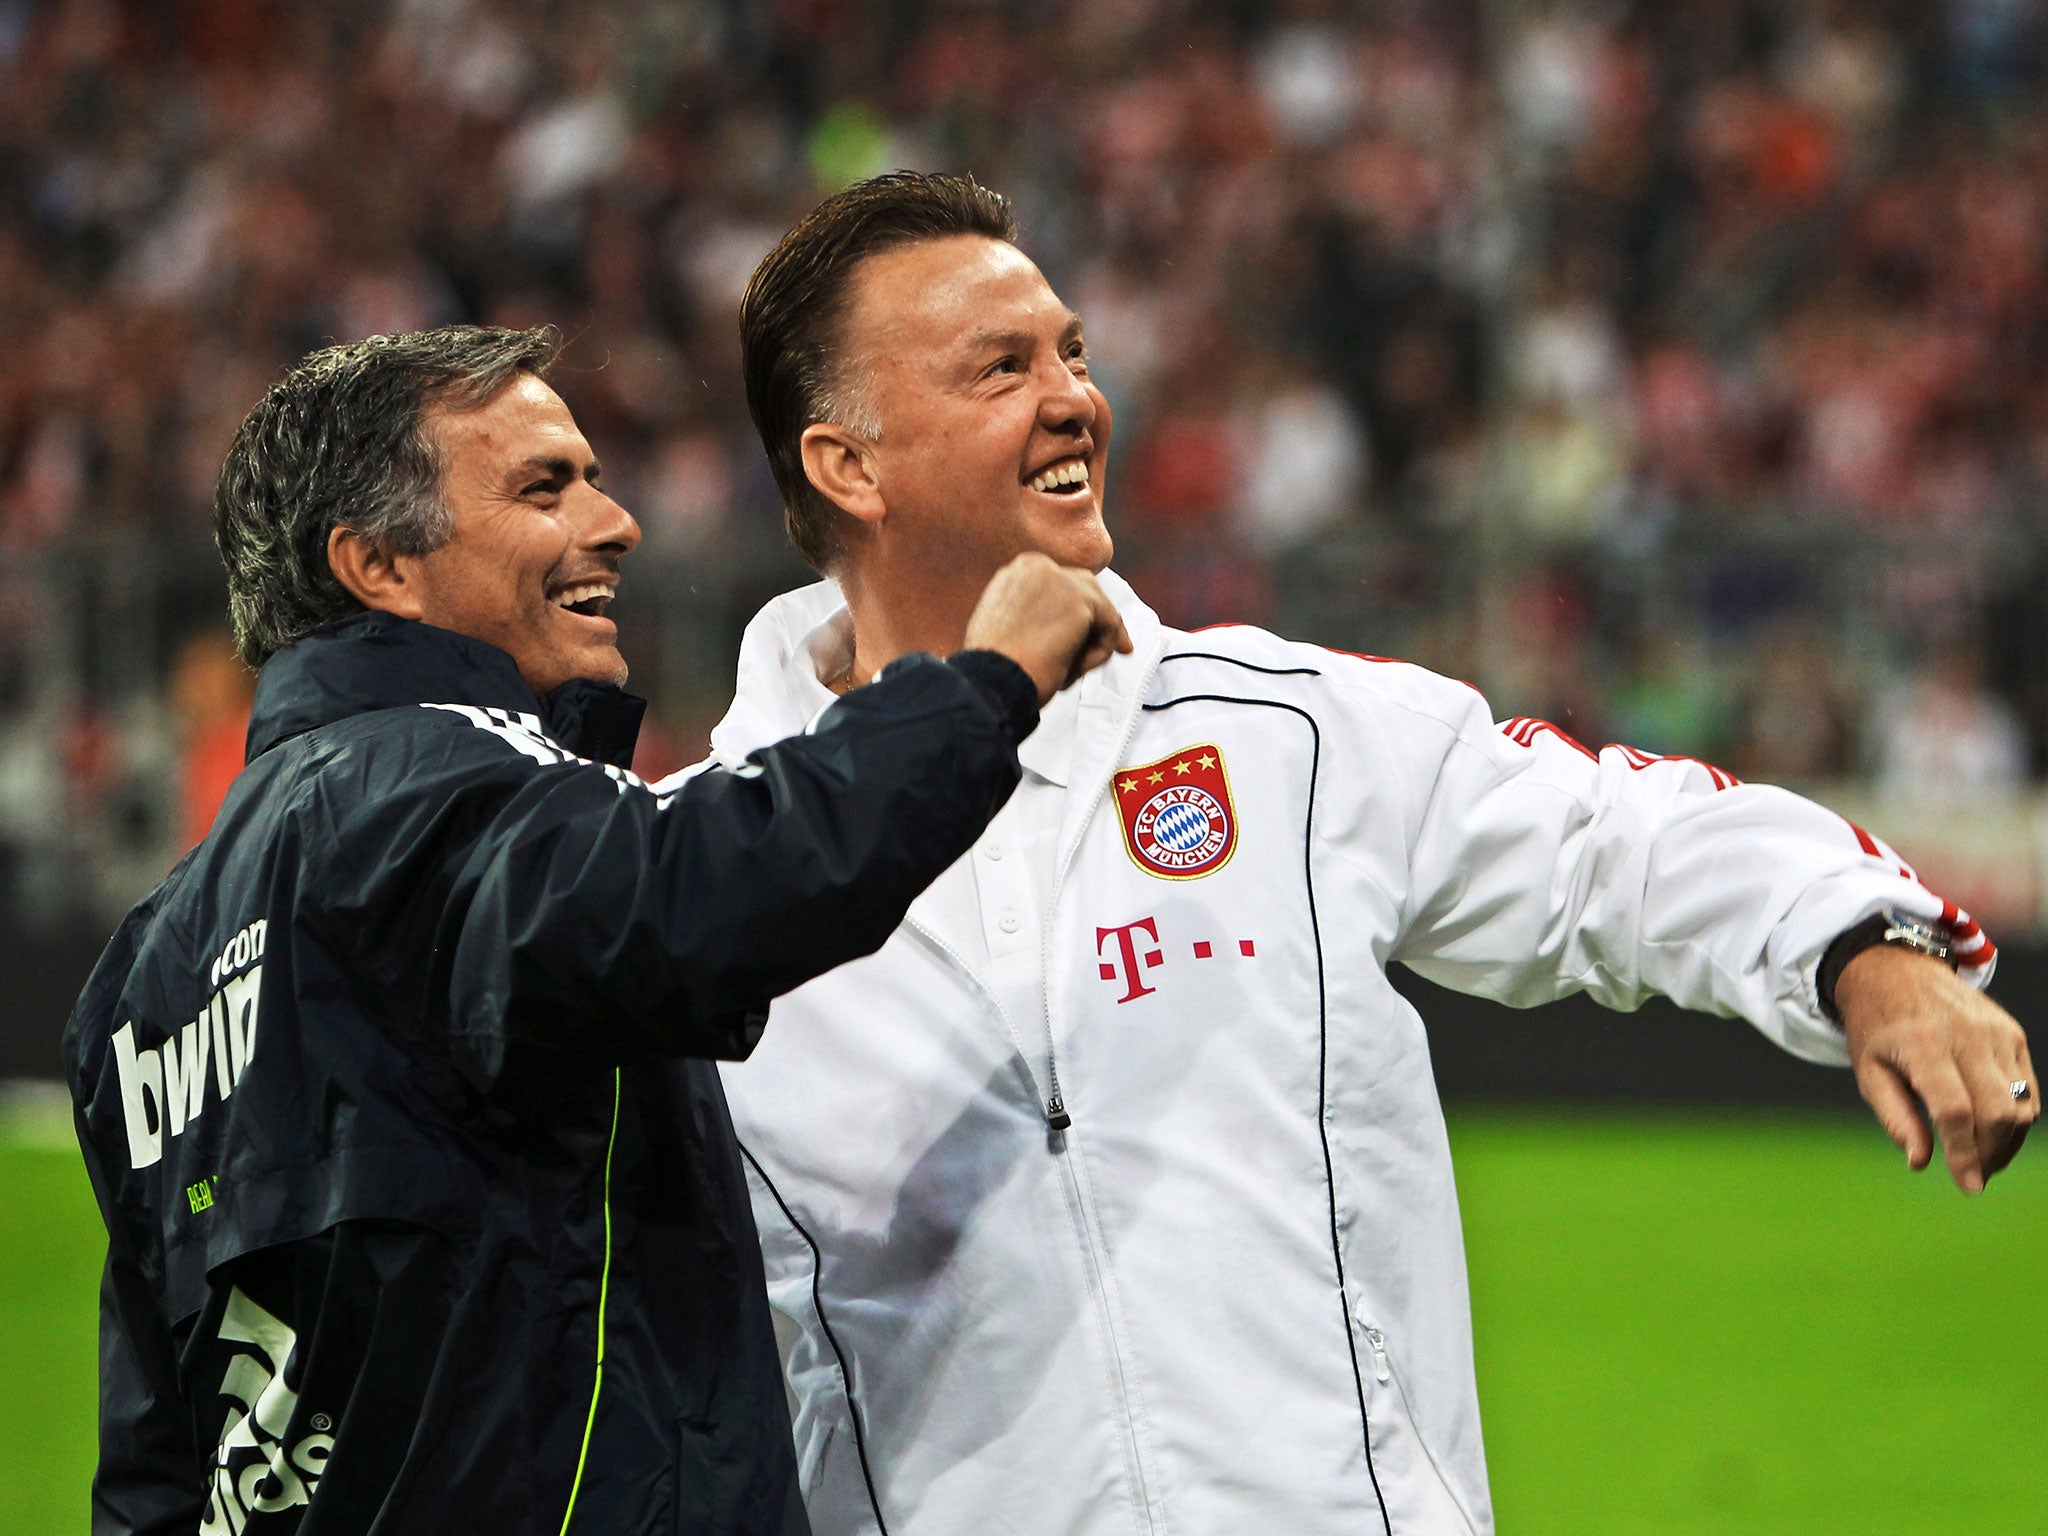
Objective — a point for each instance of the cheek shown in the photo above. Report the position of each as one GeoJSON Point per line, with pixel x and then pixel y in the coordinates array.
{"type": "Point", "coordinates": [949, 472]}
{"type": "Point", "coordinates": [496, 594]}
{"type": "Point", "coordinates": [498, 584]}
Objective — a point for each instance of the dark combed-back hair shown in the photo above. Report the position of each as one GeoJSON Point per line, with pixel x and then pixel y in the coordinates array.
{"type": "Point", "coordinates": [795, 304]}
{"type": "Point", "coordinates": [340, 441]}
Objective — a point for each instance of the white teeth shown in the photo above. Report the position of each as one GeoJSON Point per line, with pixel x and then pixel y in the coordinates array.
{"type": "Point", "coordinates": [569, 597]}
{"type": "Point", "coordinates": [1072, 472]}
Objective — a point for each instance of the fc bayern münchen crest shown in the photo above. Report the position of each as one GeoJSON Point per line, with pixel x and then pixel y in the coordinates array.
{"type": "Point", "coordinates": [1177, 816]}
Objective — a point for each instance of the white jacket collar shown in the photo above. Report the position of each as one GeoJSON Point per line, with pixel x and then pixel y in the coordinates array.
{"type": "Point", "coordinates": [804, 636]}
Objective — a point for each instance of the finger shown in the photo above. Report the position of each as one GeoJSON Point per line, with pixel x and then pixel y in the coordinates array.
{"type": "Point", "coordinates": [2018, 1067]}
{"type": "Point", "coordinates": [2023, 1072]}
{"type": "Point", "coordinates": [1096, 648]}
{"type": "Point", "coordinates": [1106, 633]}
{"type": "Point", "coordinates": [1885, 1091]}
{"type": "Point", "coordinates": [1086, 660]}
{"type": "Point", "coordinates": [1102, 647]}
{"type": "Point", "coordinates": [1954, 1113]}
{"type": "Point", "coordinates": [1108, 623]}
{"type": "Point", "coordinates": [1112, 636]}
{"type": "Point", "coordinates": [2001, 1120]}
{"type": "Point", "coordinates": [2018, 1140]}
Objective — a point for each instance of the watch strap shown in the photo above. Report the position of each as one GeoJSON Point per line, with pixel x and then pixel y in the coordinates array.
{"type": "Point", "coordinates": [1899, 928]}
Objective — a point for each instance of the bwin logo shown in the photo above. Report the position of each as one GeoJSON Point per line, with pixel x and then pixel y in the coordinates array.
{"type": "Point", "coordinates": [163, 1088]}
{"type": "Point", "coordinates": [253, 1474]}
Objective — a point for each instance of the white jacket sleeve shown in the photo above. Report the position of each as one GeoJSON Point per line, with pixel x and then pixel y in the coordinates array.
{"type": "Point", "coordinates": [1540, 868]}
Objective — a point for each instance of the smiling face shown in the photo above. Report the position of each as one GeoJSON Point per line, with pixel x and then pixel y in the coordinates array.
{"type": "Point", "coordinates": [994, 440]}
{"type": "Point", "coordinates": [534, 557]}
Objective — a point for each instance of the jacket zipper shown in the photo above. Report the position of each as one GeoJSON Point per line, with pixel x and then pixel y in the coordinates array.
{"type": "Point", "coordinates": [1058, 1121]}
{"type": "Point", "coordinates": [1381, 1371]}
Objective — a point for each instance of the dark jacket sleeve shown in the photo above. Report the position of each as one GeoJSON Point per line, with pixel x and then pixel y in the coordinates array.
{"type": "Point", "coordinates": [625, 925]}
{"type": "Point", "coordinates": [144, 1483]}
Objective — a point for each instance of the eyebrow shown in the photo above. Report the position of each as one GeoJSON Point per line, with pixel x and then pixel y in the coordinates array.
{"type": "Point", "coordinates": [556, 466]}
{"type": "Point", "coordinates": [1019, 340]}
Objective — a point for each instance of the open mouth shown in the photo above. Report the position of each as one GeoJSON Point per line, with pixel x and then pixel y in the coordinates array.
{"type": "Point", "coordinates": [588, 599]}
{"type": "Point", "coordinates": [1069, 477]}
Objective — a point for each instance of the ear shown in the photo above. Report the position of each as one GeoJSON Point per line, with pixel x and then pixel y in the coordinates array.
{"type": "Point", "coordinates": [841, 465]}
{"type": "Point", "coordinates": [374, 578]}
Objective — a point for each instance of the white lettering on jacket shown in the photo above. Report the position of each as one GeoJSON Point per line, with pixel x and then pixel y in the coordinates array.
{"type": "Point", "coordinates": [253, 1471]}
{"type": "Point", "coordinates": [163, 1087]}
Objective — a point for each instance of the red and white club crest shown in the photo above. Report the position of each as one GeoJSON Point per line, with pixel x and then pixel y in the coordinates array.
{"type": "Point", "coordinates": [1177, 817]}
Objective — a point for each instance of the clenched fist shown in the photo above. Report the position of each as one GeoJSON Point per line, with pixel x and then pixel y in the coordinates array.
{"type": "Point", "coordinates": [1053, 620]}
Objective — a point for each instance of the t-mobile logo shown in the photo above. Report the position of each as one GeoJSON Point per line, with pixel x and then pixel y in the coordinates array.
{"type": "Point", "coordinates": [1128, 965]}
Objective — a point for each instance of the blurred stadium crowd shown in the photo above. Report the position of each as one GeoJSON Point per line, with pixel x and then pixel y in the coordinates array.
{"type": "Point", "coordinates": [1678, 372]}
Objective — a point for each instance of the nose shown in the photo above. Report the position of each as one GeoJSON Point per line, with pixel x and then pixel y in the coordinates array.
{"type": "Point", "coordinates": [605, 526]}
{"type": "Point", "coordinates": [1068, 404]}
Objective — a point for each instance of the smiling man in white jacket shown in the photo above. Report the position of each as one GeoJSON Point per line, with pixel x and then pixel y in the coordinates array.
{"type": "Point", "coordinates": [1113, 1194]}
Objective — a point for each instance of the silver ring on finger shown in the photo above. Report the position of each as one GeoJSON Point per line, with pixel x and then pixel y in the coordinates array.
{"type": "Point", "coordinates": [2020, 1089]}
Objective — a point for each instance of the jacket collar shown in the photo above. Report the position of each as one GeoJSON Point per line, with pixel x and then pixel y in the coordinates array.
{"type": "Point", "coordinates": [805, 635]}
{"type": "Point", "coordinates": [371, 661]}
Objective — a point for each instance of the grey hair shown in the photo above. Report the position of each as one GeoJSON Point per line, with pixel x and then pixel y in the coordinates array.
{"type": "Point", "coordinates": [340, 442]}
{"type": "Point", "coordinates": [847, 402]}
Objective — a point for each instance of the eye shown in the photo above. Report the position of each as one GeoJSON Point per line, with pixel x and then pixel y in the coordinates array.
{"type": "Point", "coordinates": [1077, 355]}
{"type": "Point", "coordinates": [1005, 365]}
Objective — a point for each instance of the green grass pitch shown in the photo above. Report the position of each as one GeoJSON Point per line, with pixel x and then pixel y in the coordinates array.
{"type": "Point", "coordinates": [1744, 1325]}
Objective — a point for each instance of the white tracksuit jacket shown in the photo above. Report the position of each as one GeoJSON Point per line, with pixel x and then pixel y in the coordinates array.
{"type": "Point", "coordinates": [1231, 1297]}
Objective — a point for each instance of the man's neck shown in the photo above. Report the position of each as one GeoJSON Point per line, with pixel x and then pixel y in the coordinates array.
{"type": "Point", "coordinates": [892, 617]}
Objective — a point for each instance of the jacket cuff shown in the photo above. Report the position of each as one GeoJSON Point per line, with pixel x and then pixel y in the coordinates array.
{"type": "Point", "coordinates": [1847, 946]}
{"type": "Point", "coordinates": [1006, 685]}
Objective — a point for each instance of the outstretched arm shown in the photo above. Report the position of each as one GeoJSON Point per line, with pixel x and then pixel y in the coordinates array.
{"type": "Point", "coordinates": [1542, 867]}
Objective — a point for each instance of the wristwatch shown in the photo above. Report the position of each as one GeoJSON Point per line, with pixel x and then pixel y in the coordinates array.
{"type": "Point", "coordinates": [1889, 927]}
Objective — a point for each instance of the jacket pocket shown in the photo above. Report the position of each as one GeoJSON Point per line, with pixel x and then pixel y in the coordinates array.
{"type": "Point", "coordinates": [1378, 1360]}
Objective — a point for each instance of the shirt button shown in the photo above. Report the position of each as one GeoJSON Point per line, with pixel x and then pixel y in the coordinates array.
{"type": "Point", "coordinates": [992, 850]}
{"type": "Point", "coordinates": [1009, 922]}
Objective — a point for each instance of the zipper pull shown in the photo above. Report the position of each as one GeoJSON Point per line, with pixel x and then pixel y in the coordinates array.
{"type": "Point", "coordinates": [1056, 1116]}
{"type": "Point", "coordinates": [1381, 1372]}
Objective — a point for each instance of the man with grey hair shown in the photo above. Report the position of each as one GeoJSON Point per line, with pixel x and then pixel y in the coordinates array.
{"type": "Point", "coordinates": [424, 1212]}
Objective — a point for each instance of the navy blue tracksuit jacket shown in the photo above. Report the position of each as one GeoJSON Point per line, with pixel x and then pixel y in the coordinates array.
{"type": "Point", "coordinates": [424, 1211]}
